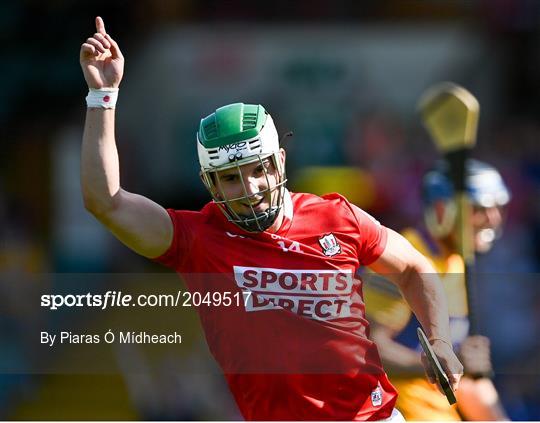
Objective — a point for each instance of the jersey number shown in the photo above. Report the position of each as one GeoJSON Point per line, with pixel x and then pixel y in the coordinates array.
{"type": "Point", "coordinates": [295, 246]}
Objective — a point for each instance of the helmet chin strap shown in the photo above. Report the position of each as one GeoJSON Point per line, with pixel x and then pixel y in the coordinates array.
{"type": "Point", "coordinates": [262, 220]}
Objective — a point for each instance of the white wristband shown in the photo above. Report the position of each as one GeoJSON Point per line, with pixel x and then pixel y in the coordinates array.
{"type": "Point", "coordinates": [102, 98]}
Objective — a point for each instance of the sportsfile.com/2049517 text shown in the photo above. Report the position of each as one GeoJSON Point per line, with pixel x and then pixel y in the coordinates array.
{"type": "Point", "coordinates": [119, 299]}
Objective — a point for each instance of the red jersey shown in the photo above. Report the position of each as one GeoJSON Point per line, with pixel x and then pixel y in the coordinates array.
{"type": "Point", "coordinates": [296, 347]}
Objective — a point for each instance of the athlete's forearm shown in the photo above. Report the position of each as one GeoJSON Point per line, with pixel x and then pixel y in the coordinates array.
{"type": "Point", "coordinates": [100, 178]}
{"type": "Point", "coordinates": [418, 282]}
{"type": "Point", "coordinates": [423, 291]}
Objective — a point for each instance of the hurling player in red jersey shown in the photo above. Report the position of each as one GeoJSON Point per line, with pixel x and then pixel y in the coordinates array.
{"type": "Point", "coordinates": [296, 347]}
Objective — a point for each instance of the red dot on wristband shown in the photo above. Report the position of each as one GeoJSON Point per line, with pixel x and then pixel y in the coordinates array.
{"type": "Point", "coordinates": [106, 99]}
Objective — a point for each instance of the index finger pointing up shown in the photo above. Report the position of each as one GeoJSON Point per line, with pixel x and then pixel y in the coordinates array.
{"type": "Point", "coordinates": [100, 25]}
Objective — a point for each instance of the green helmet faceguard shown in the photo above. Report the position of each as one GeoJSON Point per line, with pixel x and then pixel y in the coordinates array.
{"type": "Point", "coordinates": [233, 136]}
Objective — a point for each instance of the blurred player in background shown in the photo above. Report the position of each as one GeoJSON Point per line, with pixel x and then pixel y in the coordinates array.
{"type": "Point", "coordinates": [297, 348]}
{"type": "Point", "coordinates": [393, 325]}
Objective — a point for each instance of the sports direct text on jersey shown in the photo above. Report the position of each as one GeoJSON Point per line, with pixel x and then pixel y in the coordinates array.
{"type": "Point", "coordinates": [316, 294]}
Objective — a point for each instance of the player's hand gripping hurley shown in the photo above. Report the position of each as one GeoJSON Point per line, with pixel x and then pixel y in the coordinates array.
{"type": "Point", "coordinates": [437, 370]}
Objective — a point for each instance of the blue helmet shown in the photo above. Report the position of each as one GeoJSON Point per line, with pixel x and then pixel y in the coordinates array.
{"type": "Point", "coordinates": [484, 184]}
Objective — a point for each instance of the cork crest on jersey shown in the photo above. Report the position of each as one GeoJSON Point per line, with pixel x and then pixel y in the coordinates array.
{"type": "Point", "coordinates": [330, 245]}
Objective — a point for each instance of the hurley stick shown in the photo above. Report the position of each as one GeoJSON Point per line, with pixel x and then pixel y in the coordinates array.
{"type": "Point", "coordinates": [450, 115]}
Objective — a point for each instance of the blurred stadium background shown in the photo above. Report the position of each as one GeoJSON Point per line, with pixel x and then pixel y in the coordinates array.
{"type": "Point", "coordinates": [344, 76]}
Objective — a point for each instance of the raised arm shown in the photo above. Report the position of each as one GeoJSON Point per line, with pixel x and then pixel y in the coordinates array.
{"type": "Point", "coordinates": [402, 264]}
{"type": "Point", "coordinates": [138, 222]}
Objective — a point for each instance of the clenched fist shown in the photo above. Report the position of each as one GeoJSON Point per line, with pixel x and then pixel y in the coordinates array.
{"type": "Point", "coordinates": [449, 362]}
{"type": "Point", "coordinates": [101, 60]}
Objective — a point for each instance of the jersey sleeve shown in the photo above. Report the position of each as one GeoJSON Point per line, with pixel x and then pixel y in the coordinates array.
{"type": "Point", "coordinates": [177, 255]}
{"type": "Point", "coordinates": [372, 236]}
